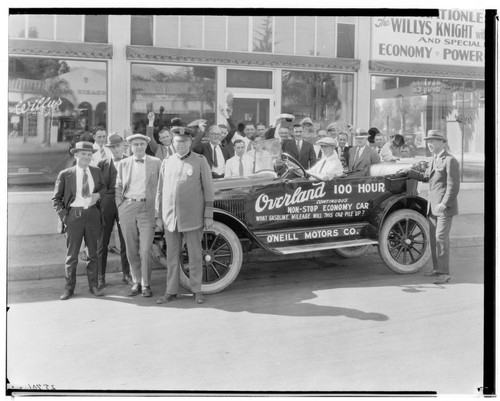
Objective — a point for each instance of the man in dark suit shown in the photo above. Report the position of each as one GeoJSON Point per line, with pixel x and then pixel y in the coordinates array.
{"type": "Point", "coordinates": [343, 150]}
{"type": "Point", "coordinates": [110, 212]}
{"type": "Point", "coordinates": [362, 156]}
{"type": "Point", "coordinates": [443, 176]}
{"type": "Point", "coordinates": [135, 193]}
{"type": "Point", "coordinates": [301, 150]}
{"type": "Point", "coordinates": [77, 193]}
{"type": "Point", "coordinates": [215, 154]}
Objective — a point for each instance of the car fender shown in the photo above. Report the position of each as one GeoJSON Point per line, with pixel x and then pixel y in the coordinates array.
{"type": "Point", "coordinates": [396, 202]}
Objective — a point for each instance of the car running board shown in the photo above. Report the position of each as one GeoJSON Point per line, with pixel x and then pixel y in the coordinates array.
{"type": "Point", "coordinates": [324, 246]}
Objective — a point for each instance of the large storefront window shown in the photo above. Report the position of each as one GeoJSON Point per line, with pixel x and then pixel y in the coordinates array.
{"type": "Point", "coordinates": [411, 106]}
{"type": "Point", "coordinates": [172, 91]}
{"type": "Point", "coordinates": [52, 102]}
{"type": "Point", "coordinates": [324, 97]}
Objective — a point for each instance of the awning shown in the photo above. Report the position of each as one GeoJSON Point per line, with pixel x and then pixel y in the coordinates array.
{"type": "Point", "coordinates": [426, 70]}
{"type": "Point", "coordinates": [59, 49]}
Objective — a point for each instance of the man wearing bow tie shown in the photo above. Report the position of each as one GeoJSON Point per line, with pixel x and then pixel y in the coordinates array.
{"type": "Point", "coordinates": [110, 212]}
{"type": "Point", "coordinates": [77, 193]}
{"type": "Point", "coordinates": [443, 176]}
{"type": "Point", "coordinates": [184, 206]}
{"type": "Point", "coordinates": [136, 182]}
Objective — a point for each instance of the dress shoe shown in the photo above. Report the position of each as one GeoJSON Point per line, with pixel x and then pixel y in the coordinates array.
{"type": "Point", "coordinates": [431, 273]}
{"type": "Point", "coordinates": [96, 291]}
{"type": "Point", "coordinates": [67, 294]}
{"type": "Point", "coordinates": [166, 298]}
{"type": "Point", "coordinates": [442, 279]}
{"type": "Point", "coordinates": [199, 298]}
{"type": "Point", "coordinates": [101, 282]}
{"type": "Point", "coordinates": [146, 292]}
{"type": "Point", "coordinates": [135, 290]}
{"type": "Point", "coordinates": [127, 279]}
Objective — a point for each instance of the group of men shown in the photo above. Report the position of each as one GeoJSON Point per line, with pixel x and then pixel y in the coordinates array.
{"type": "Point", "coordinates": [140, 193]}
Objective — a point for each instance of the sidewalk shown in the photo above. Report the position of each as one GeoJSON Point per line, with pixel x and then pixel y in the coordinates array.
{"type": "Point", "coordinates": [36, 250]}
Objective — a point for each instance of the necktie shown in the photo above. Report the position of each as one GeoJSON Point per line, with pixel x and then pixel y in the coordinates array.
{"type": "Point", "coordinates": [298, 146]}
{"type": "Point", "coordinates": [170, 153]}
{"type": "Point", "coordinates": [103, 153]}
{"type": "Point", "coordinates": [249, 147]}
{"type": "Point", "coordinates": [85, 185]}
{"type": "Point", "coordinates": [323, 165]}
{"type": "Point", "coordinates": [320, 154]}
{"type": "Point", "coordinates": [139, 160]}
{"type": "Point", "coordinates": [215, 157]}
{"type": "Point", "coordinates": [379, 149]}
{"type": "Point", "coordinates": [358, 153]}
{"type": "Point", "coordinates": [241, 167]}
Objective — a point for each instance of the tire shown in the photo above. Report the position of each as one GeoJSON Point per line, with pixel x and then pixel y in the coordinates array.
{"type": "Point", "coordinates": [222, 259]}
{"type": "Point", "coordinates": [404, 241]}
{"type": "Point", "coordinates": [353, 251]}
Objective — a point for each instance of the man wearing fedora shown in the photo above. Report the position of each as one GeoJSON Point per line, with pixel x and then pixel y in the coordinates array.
{"type": "Point", "coordinates": [184, 206]}
{"type": "Point", "coordinates": [77, 193]}
{"type": "Point", "coordinates": [135, 192]}
{"type": "Point", "coordinates": [443, 176]}
{"type": "Point", "coordinates": [362, 156]}
{"type": "Point", "coordinates": [301, 150]}
{"type": "Point", "coordinates": [110, 212]}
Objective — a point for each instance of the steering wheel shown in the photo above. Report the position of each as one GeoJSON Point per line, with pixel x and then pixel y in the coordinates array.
{"type": "Point", "coordinates": [292, 166]}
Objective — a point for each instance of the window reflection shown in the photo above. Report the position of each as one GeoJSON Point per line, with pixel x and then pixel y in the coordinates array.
{"type": "Point", "coordinates": [262, 34]}
{"type": "Point", "coordinates": [215, 32]}
{"type": "Point", "coordinates": [96, 28]}
{"type": "Point", "coordinates": [17, 26]}
{"type": "Point", "coordinates": [167, 30]}
{"type": "Point", "coordinates": [305, 36]}
{"type": "Point", "coordinates": [283, 35]}
{"type": "Point", "coordinates": [238, 33]}
{"type": "Point", "coordinates": [69, 27]}
{"type": "Point", "coordinates": [41, 27]}
{"type": "Point", "coordinates": [141, 30]}
{"type": "Point", "coordinates": [345, 41]}
{"type": "Point", "coordinates": [191, 31]}
{"type": "Point", "coordinates": [172, 91]}
{"type": "Point", "coordinates": [326, 37]}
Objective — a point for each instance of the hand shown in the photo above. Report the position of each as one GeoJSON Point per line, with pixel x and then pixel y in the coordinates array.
{"type": "Point", "coordinates": [94, 198]}
{"type": "Point", "coordinates": [440, 208]}
{"type": "Point", "coordinates": [223, 112]}
{"type": "Point", "coordinates": [159, 224]}
{"type": "Point", "coordinates": [403, 172]}
{"type": "Point", "coordinates": [202, 125]}
{"type": "Point", "coordinates": [208, 223]}
{"type": "Point", "coordinates": [151, 118]}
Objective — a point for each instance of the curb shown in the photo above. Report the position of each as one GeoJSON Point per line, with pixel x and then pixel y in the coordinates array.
{"type": "Point", "coordinates": [56, 270]}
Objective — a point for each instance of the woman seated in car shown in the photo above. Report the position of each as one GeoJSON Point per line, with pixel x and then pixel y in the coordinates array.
{"type": "Point", "coordinates": [329, 166]}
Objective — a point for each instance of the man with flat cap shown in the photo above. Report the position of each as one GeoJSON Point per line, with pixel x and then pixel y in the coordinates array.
{"type": "Point", "coordinates": [184, 207]}
{"type": "Point", "coordinates": [362, 156]}
{"type": "Point", "coordinates": [110, 212]}
{"type": "Point", "coordinates": [77, 193]}
{"type": "Point", "coordinates": [136, 182]}
{"type": "Point", "coordinates": [443, 176]}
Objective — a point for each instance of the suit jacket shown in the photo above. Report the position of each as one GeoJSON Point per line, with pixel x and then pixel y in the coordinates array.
{"type": "Point", "coordinates": [307, 156]}
{"type": "Point", "coordinates": [109, 172]}
{"type": "Point", "coordinates": [158, 150]}
{"type": "Point", "coordinates": [185, 193]}
{"type": "Point", "coordinates": [123, 177]}
{"type": "Point", "coordinates": [345, 153]}
{"type": "Point", "coordinates": [205, 149]}
{"type": "Point", "coordinates": [368, 157]}
{"type": "Point", "coordinates": [443, 177]}
{"type": "Point", "coordinates": [65, 189]}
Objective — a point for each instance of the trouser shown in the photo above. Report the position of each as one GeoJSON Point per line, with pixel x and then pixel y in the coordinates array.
{"type": "Point", "coordinates": [138, 228]}
{"type": "Point", "coordinates": [110, 214]}
{"type": "Point", "coordinates": [174, 248]}
{"type": "Point", "coordinates": [439, 227]}
{"type": "Point", "coordinates": [82, 224]}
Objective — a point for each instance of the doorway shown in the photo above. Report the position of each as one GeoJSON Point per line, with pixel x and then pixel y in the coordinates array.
{"type": "Point", "coordinates": [254, 110]}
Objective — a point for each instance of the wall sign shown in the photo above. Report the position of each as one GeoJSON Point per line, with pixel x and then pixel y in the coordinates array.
{"type": "Point", "coordinates": [43, 106]}
{"type": "Point", "coordinates": [456, 36]}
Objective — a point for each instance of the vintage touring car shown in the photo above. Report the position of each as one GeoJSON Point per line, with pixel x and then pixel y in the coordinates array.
{"type": "Point", "coordinates": [286, 213]}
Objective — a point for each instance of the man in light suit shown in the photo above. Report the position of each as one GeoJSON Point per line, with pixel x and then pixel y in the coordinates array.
{"type": "Point", "coordinates": [110, 212]}
{"type": "Point", "coordinates": [301, 150]}
{"type": "Point", "coordinates": [135, 193]}
{"type": "Point", "coordinates": [362, 156]}
{"type": "Point", "coordinates": [443, 176]}
{"type": "Point", "coordinates": [76, 200]}
{"type": "Point", "coordinates": [184, 206]}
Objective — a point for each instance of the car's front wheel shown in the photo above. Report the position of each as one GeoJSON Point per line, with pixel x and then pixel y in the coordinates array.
{"type": "Point", "coordinates": [222, 257]}
{"type": "Point", "coordinates": [404, 241]}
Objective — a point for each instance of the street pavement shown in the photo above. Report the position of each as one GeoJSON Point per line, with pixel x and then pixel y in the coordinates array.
{"type": "Point", "coordinates": [322, 324]}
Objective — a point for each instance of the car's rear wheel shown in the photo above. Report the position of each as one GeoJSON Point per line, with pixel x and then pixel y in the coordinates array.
{"type": "Point", "coordinates": [404, 241]}
{"type": "Point", "coordinates": [222, 257]}
{"type": "Point", "coordinates": [353, 251]}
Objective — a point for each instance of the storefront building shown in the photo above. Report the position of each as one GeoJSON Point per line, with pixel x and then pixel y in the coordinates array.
{"type": "Point", "coordinates": [71, 73]}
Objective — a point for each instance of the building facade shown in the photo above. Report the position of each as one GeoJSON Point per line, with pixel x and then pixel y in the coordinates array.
{"type": "Point", "coordinates": [71, 73]}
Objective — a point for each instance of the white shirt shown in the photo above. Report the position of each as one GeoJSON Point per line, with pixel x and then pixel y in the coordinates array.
{"type": "Point", "coordinates": [328, 167]}
{"type": "Point", "coordinates": [232, 168]}
{"type": "Point", "coordinates": [137, 187]}
{"type": "Point", "coordinates": [97, 156]}
{"type": "Point", "coordinates": [80, 201]}
{"type": "Point", "coordinates": [220, 160]}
